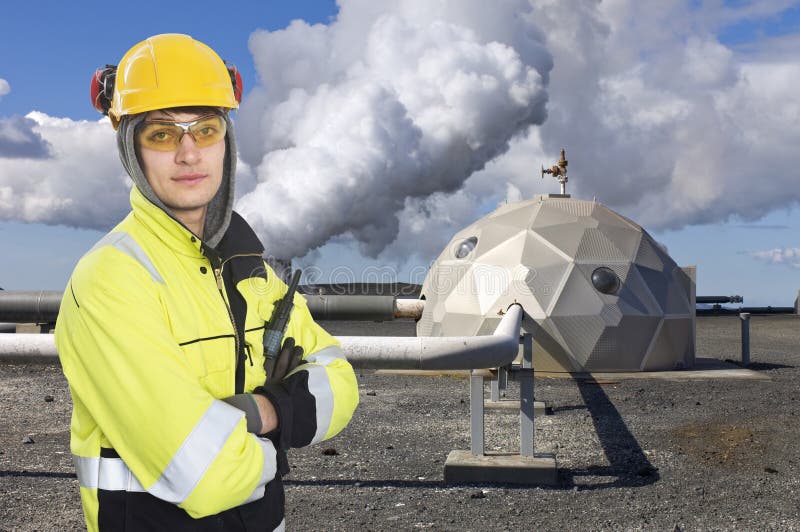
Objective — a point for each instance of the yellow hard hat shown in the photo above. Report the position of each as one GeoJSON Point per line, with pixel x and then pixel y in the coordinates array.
{"type": "Point", "coordinates": [172, 70]}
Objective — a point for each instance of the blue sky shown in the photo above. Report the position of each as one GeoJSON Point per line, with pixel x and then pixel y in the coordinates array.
{"type": "Point", "coordinates": [52, 40]}
{"type": "Point", "coordinates": [49, 50]}
{"type": "Point", "coordinates": [50, 71]}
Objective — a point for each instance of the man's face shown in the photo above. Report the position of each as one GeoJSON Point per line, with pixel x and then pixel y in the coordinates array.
{"type": "Point", "coordinates": [187, 178]}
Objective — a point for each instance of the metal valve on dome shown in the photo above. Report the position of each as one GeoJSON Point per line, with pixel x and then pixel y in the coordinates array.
{"type": "Point", "coordinates": [559, 171]}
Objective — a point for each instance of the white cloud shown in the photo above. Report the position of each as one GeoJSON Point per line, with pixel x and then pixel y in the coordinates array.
{"type": "Point", "coordinates": [397, 124]}
{"type": "Point", "coordinates": [788, 256]}
{"type": "Point", "coordinates": [380, 108]}
{"type": "Point", "coordinates": [661, 121]}
{"type": "Point", "coordinates": [5, 88]}
{"type": "Point", "coordinates": [776, 49]}
{"type": "Point", "coordinates": [79, 183]}
{"type": "Point", "coordinates": [19, 139]}
{"type": "Point", "coordinates": [675, 129]}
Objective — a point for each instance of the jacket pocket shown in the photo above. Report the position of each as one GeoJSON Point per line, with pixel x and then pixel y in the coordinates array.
{"type": "Point", "coordinates": [212, 360]}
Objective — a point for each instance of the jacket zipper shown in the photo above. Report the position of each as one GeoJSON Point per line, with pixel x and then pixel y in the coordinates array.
{"type": "Point", "coordinates": [221, 288]}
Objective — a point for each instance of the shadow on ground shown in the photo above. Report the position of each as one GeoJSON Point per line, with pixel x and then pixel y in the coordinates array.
{"type": "Point", "coordinates": [761, 366]}
{"type": "Point", "coordinates": [627, 464]}
{"type": "Point", "coordinates": [37, 474]}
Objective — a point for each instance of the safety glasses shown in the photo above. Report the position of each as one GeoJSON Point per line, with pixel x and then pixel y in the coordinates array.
{"type": "Point", "coordinates": [166, 135]}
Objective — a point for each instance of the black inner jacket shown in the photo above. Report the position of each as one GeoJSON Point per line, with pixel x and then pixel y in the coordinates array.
{"type": "Point", "coordinates": [239, 239]}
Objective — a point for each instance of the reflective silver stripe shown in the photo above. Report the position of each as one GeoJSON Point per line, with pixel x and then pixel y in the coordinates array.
{"type": "Point", "coordinates": [320, 387]}
{"type": "Point", "coordinates": [116, 476]}
{"type": "Point", "coordinates": [112, 474]}
{"type": "Point", "coordinates": [323, 357]}
{"type": "Point", "coordinates": [268, 473]}
{"type": "Point", "coordinates": [196, 453]}
{"type": "Point", "coordinates": [258, 493]}
{"type": "Point", "coordinates": [125, 243]}
{"type": "Point", "coordinates": [105, 473]}
{"type": "Point", "coordinates": [281, 527]}
{"type": "Point", "coordinates": [87, 469]}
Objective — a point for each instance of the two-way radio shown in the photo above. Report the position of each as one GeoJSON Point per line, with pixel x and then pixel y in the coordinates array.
{"type": "Point", "coordinates": [276, 328]}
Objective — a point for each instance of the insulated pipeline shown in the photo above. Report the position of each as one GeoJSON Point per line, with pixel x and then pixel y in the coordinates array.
{"type": "Point", "coordinates": [26, 347]}
{"type": "Point", "coordinates": [326, 307]}
{"type": "Point", "coordinates": [42, 307]}
{"type": "Point", "coordinates": [718, 299]}
{"type": "Point", "coordinates": [438, 353]}
{"type": "Point", "coordinates": [29, 306]}
{"type": "Point", "coordinates": [366, 352]}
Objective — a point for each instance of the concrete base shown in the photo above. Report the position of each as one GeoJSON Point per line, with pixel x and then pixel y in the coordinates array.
{"type": "Point", "coordinates": [512, 406]}
{"type": "Point", "coordinates": [30, 328]}
{"type": "Point", "coordinates": [704, 369]}
{"type": "Point", "coordinates": [463, 467]}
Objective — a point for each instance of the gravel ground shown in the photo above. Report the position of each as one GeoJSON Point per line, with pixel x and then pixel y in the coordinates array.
{"type": "Point", "coordinates": [632, 454]}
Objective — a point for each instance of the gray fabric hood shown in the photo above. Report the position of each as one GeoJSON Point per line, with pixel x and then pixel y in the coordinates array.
{"type": "Point", "coordinates": [218, 216]}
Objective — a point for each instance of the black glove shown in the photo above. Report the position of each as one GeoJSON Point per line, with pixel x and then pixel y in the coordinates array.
{"type": "Point", "coordinates": [289, 357]}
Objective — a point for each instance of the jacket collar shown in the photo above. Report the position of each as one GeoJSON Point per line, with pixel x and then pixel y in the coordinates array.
{"type": "Point", "coordinates": [239, 238]}
{"type": "Point", "coordinates": [166, 228]}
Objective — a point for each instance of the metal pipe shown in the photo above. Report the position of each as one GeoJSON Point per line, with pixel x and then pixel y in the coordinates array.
{"type": "Point", "coordinates": [744, 317]}
{"type": "Point", "coordinates": [494, 388]}
{"type": "Point", "coordinates": [476, 414]}
{"type": "Point", "coordinates": [719, 299]}
{"type": "Point", "coordinates": [767, 310]}
{"type": "Point", "coordinates": [438, 353]}
{"type": "Point", "coordinates": [526, 398]}
{"type": "Point", "coordinates": [29, 306]}
{"type": "Point", "coordinates": [27, 347]}
{"type": "Point", "coordinates": [722, 311]}
{"type": "Point", "coordinates": [366, 352]}
{"type": "Point", "coordinates": [379, 308]}
{"type": "Point", "coordinates": [409, 308]}
{"type": "Point", "coordinates": [41, 306]}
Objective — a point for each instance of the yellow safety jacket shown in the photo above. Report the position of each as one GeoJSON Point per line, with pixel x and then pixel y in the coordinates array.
{"type": "Point", "coordinates": [154, 329]}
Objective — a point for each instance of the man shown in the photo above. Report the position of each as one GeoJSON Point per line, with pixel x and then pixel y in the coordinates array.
{"type": "Point", "coordinates": [161, 327]}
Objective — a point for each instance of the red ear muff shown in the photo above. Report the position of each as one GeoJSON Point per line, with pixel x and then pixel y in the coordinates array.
{"type": "Point", "coordinates": [102, 88]}
{"type": "Point", "coordinates": [236, 80]}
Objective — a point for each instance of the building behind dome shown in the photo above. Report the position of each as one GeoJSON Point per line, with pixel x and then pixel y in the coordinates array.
{"type": "Point", "coordinates": [599, 293]}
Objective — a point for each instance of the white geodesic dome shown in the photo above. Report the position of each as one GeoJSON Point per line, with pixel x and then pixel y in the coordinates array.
{"type": "Point", "coordinates": [542, 253]}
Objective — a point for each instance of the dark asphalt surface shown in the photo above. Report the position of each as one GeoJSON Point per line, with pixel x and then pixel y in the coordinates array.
{"type": "Point", "coordinates": [632, 454]}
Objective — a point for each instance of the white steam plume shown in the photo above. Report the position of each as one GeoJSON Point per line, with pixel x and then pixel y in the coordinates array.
{"type": "Point", "coordinates": [661, 120]}
{"type": "Point", "coordinates": [382, 106]}
{"type": "Point", "coordinates": [672, 126]}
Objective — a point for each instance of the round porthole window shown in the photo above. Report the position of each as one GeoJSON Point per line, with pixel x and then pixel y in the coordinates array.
{"type": "Point", "coordinates": [466, 246]}
{"type": "Point", "coordinates": [605, 280]}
